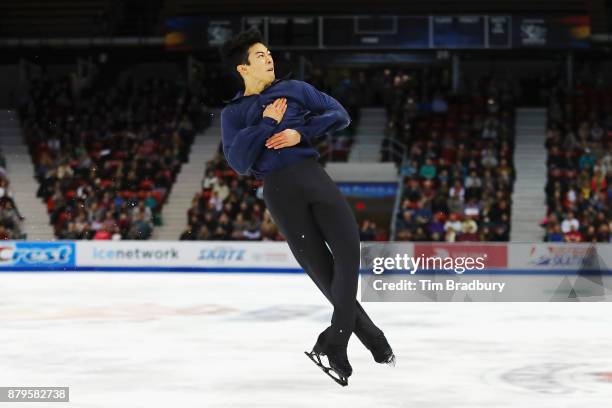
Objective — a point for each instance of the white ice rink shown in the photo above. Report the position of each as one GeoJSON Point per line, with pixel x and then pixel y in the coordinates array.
{"type": "Point", "coordinates": [237, 340]}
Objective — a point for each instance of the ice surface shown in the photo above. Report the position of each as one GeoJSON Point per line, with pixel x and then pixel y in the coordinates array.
{"type": "Point", "coordinates": [237, 340]}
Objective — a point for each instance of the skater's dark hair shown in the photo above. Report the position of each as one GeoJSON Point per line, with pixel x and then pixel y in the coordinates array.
{"type": "Point", "coordinates": [235, 51]}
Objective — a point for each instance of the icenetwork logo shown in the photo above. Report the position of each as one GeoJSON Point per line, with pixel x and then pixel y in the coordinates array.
{"type": "Point", "coordinates": [36, 254]}
{"type": "Point", "coordinates": [136, 254]}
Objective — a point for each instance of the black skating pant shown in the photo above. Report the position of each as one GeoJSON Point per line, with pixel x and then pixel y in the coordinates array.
{"type": "Point", "coordinates": [310, 211]}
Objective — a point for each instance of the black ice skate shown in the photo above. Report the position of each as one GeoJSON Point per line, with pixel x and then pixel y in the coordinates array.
{"type": "Point", "coordinates": [379, 347]}
{"type": "Point", "coordinates": [382, 351]}
{"type": "Point", "coordinates": [339, 367]}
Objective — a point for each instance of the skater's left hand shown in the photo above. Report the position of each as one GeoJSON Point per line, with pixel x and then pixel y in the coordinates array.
{"type": "Point", "coordinates": [286, 138]}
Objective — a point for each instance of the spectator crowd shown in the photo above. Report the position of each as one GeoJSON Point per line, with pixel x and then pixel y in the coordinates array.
{"type": "Point", "coordinates": [106, 157]}
{"type": "Point", "coordinates": [579, 165]}
{"type": "Point", "coordinates": [229, 207]}
{"type": "Point", "coordinates": [457, 165]}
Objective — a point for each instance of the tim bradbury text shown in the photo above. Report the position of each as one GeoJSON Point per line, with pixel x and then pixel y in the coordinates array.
{"type": "Point", "coordinates": [427, 284]}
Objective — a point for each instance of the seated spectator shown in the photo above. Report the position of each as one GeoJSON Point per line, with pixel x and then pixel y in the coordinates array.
{"type": "Point", "coordinates": [570, 222]}
{"type": "Point", "coordinates": [407, 222]}
{"type": "Point", "coordinates": [490, 130]}
{"type": "Point", "coordinates": [269, 230]}
{"type": "Point", "coordinates": [438, 104]}
{"type": "Point", "coordinates": [102, 234]}
{"type": "Point", "coordinates": [367, 232]}
{"type": "Point", "coordinates": [422, 213]}
{"type": "Point", "coordinates": [6, 195]}
{"type": "Point", "coordinates": [428, 170]}
{"type": "Point", "coordinates": [469, 231]}
{"type": "Point", "coordinates": [554, 234]}
{"type": "Point", "coordinates": [141, 228]}
{"type": "Point", "coordinates": [436, 227]}
{"type": "Point", "coordinates": [187, 234]}
{"type": "Point", "coordinates": [453, 226]}
{"type": "Point", "coordinates": [10, 218]}
{"type": "Point", "coordinates": [472, 208]}
{"type": "Point", "coordinates": [573, 235]}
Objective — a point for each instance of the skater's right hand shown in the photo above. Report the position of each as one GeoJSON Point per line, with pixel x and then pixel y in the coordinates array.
{"type": "Point", "coordinates": [276, 109]}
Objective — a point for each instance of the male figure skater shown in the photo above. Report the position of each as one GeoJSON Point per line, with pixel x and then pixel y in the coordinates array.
{"type": "Point", "coordinates": [268, 131]}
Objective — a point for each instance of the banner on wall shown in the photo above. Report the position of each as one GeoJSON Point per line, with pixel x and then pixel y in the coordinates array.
{"type": "Point", "coordinates": [385, 31]}
{"type": "Point", "coordinates": [200, 32]}
{"type": "Point", "coordinates": [187, 255]}
{"type": "Point", "coordinates": [552, 32]}
{"type": "Point", "coordinates": [560, 256]}
{"type": "Point", "coordinates": [23, 255]}
{"type": "Point", "coordinates": [485, 272]}
{"type": "Point", "coordinates": [523, 258]}
{"type": "Point", "coordinates": [459, 31]}
{"type": "Point", "coordinates": [494, 255]}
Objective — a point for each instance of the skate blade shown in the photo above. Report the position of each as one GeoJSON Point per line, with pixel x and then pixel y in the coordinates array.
{"type": "Point", "coordinates": [343, 381]}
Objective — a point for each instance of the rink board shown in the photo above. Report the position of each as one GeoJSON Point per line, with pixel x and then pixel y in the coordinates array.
{"type": "Point", "coordinates": [271, 257]}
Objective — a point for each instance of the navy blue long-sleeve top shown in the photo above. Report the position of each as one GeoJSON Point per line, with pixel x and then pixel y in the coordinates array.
{"type": "Point", "coordinates": [244, 129]}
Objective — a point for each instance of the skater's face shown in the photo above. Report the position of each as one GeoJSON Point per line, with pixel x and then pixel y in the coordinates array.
{"type": "Point", "coordinates": [260, 67]}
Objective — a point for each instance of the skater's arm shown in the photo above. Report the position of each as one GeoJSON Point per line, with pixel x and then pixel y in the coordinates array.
{"type": "Point", "coordinates": [241, 146]}
{"type": "Point", "coordinates": [329, 117]}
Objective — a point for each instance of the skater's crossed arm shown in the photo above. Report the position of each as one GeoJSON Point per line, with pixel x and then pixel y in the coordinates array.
{"type": "Point", "coordinates": [241, 146]}
{"type": "Point", "coordinates": [329, 117]}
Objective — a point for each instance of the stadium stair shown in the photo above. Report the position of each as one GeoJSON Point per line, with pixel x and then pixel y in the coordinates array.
{"type": "Point", "coordinates": [529, 205]}
{"type": "Point", "coordinates": [369, 136]}
{"type": "Point", "coordinates": [23, 184]}
{"type": "Point", "coordinates": [189, 181]}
